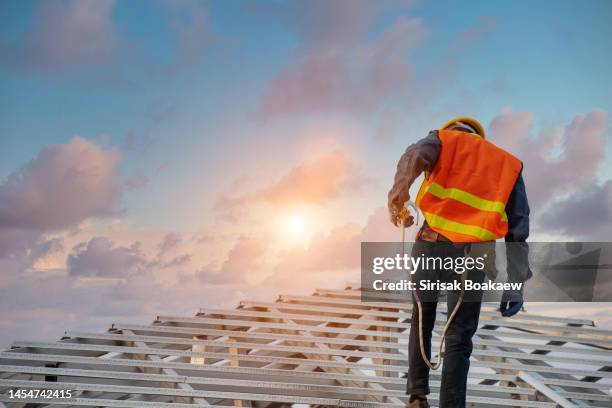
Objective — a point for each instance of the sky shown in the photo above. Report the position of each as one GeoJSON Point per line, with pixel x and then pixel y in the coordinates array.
{"type": "Point", "coordinates": [157, 157]}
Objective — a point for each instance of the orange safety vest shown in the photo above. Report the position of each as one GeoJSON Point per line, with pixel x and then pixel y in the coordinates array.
{"type": "Point", "coordinates": [465, 197]}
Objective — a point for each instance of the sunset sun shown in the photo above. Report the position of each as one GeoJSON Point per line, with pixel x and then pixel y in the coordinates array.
{"type": "Point", "coordinates": [295, 228]}
{"type": "Point", "coordinates": [296, 225]}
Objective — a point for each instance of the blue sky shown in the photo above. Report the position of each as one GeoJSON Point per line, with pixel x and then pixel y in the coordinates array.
{"type": "Point", "coordinates": [552, 56]}
{"type": "Point", "coordinates": [201, 116]}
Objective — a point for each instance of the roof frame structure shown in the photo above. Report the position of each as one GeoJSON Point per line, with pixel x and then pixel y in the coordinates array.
{"type": "Point", "coordinates": [328, 349]}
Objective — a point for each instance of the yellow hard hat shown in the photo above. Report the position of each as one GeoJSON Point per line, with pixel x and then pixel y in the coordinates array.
{"type": "Point", "coordinates": [470, 121]}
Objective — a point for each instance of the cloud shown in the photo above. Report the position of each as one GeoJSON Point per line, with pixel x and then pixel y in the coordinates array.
{"type": "Point", "coordinates": [136, 180]}
{"type": "Point", "coordinates": [142, 140]}
{"type": "Point", "coordinates": [338, 251]}
{"type": "Point", "coordinates": [317, 181]}
{"type": "Point", "coordinates": [32, 249]}
{"type": "Point", "coordinates": [72, 285]}
{"type": "Point", "coordinates": [66, 36]}
{"type": "Point", "coordinates": [330, 258]}
{"type": "Point", "coordinates": [254, 261]}
{"type": "Point", "coordinates": [509, 129]}
{"type": "Point", "coordinates": [138, 142]}
{"type": "Point", "coordinates": [558, 161]}
{"type": "Point", "coordinates": [13, 240]}
{"type": "Point", "coordinates": [244, 262]}
{"type": "Point", "coordinates": [46, 247]}
{"type": "Point", "coordinates": [41, 306]}
{"type": "Point", "coordinates": [338, 67]}
{"type": "Point", "coordinates": [379, 229]}
{"type": "Point", "coordinates": [80, 38]}
{"type": "Point", "coordinates": [189, 23]}
{"type": "Point", "coordinates": [341, 21]}
{"type": "Point", "coordinates": [311, 182]}
{"type": "Point", "coordinates": [101, 258]}
{"type": "Point", "coordinates": [180, 260]}
{"type": "Point", "coordinates": [61, 187]}
{"type": "Point", "coordinates": [483, 28]}
{"type": "Point", "coordinates": [351, 61]}
{"type": "Point", "coordinates": [586, 214]}
{"type": "Point", "coordinates": [169, 243]}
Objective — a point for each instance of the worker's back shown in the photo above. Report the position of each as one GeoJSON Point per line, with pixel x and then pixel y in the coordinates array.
{"type": "Point", "coordinates": [465, 196]}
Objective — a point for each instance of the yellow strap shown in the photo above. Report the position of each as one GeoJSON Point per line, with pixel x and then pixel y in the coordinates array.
{"type": "Point", "coordinates": [466, 198]}
{"type": "Point", "coordinates": [439, 222]}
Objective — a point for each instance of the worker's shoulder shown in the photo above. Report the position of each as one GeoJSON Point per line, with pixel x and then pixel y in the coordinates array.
{"type": "Point", "coordinates": [432, 137]}
{"type": "Point", "coordinates": [431, 141]}
{"type": "Point", "coordinates": [499, 149]}
{"type": "Point", "coordinates": [473, 142]}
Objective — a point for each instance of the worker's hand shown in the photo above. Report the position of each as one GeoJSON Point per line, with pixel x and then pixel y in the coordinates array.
{"type": "Point", "coordinates": [511, 303]}
{"type": "Point", "coordinates": [397, 198]}
{"type": "Point", "coordinates": [405, 218]}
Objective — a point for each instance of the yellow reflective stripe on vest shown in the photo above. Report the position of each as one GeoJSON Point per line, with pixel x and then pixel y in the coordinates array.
{"type": "Point", "coordinates": [437, 221]}
{"type": "Point", "coordinates": [467, 198]}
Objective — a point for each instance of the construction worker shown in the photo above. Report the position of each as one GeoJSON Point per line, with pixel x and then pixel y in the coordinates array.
{"type": "Point", "coordinates": [473, 192]}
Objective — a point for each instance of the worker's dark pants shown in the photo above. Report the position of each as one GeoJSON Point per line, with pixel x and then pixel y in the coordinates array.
{"type": "Point", "coordinates": [458, 345]}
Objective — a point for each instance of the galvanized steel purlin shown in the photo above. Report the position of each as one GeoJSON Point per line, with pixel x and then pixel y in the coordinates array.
{"type": "Point", "coordinates": [327, 349]}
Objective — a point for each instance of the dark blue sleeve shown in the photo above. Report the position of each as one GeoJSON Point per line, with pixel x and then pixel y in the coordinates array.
{"type": "Point", "coordinates": [517, 210]}
{"type": "Point", "coordinates": [517, 250]}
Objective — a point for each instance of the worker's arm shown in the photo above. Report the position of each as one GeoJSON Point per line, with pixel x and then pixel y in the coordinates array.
{"type": "Point", "coordinates": [517, 210]}
{"type": "Point", "coordinates": [517, 249]}
{"type": "Point", "coordinates": [418, 157]}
